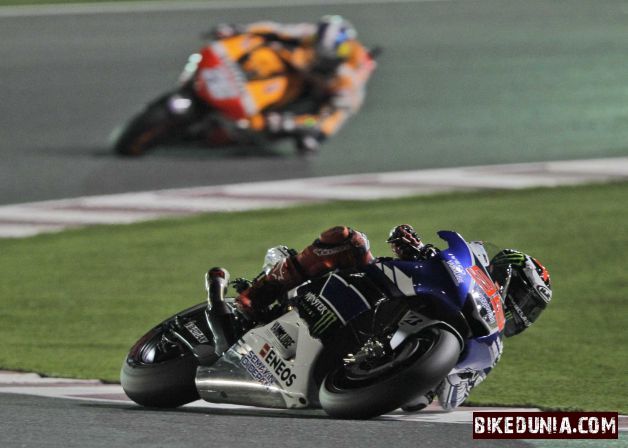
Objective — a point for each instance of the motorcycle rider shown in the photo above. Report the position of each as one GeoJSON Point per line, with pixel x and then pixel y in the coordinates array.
{"type": "Point", "coordinates": [523, 282]}
{"type": "Point", "coordinates": [334, 69]}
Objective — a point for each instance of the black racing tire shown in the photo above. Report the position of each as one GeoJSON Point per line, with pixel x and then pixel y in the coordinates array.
{"type": "Point", "coordinates": [153, 126]}
{"type": "Point", "coordinates": [165, 383]}
{"type": "Point", "coordinates": [343, 397]}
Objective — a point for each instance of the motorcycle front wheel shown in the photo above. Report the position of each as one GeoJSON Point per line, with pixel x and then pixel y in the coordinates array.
{"type": "Point", "coordinates": [372, 389]}
{"type": "Point", "coordinates": [159, 370]}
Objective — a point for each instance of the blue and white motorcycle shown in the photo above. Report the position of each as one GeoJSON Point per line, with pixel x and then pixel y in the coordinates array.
{"type": "Point", "coordinates": [356, 343]}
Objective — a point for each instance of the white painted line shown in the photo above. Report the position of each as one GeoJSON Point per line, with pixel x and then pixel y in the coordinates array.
{"type": "Point", "coordinates": [71, 217]}
{"type": "Point", "coordinates": [179, 6]}
{"type": "Point", "coordinates": [23, 230]}
{"type": "Point", "coordinates": [29, 219]}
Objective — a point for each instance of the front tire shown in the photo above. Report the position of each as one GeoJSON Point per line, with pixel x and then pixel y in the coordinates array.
{"type": "Point", "coordinates": [346, 395]}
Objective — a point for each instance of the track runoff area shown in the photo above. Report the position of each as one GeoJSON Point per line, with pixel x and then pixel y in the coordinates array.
{"type": "Point", "coordinates": [24, 220]}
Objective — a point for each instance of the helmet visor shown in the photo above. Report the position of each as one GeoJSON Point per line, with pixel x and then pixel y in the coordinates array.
{"type": "Point", "coordinates": [525, 301]}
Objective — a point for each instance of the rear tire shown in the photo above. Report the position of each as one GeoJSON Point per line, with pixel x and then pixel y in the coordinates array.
{"type": "Point", "coordinates": [344, 396]}
{"type": "Point", "coordinates": [162, 379]}
{"type": "Point", "coordinates": [155, 125]}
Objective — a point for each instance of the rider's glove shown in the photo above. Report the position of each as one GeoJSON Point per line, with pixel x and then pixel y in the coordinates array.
{"type": "Point", "coordinates": [241, 284]}
{"type": "Point", "coordinates": [428, 251]}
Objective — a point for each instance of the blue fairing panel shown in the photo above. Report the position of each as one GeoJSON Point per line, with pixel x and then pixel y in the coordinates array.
{"type": "Point", "coordinates": [458, 258]}
{"type": "Point", "coordinates": [346, 301]}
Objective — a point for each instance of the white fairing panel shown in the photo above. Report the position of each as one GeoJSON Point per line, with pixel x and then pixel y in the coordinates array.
{"type": "Point", "coordinates": [478, 249]}
{"type": "Point", "coordinates": [269, 366]}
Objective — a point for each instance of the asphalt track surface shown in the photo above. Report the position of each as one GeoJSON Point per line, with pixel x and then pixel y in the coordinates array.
{"type": "Point", "coordinates": [459, 83]}
{"type": "Point", "coordinates": [27, 421]}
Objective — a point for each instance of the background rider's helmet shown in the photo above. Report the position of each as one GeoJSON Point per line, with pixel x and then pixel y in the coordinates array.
{"type": "Point", "coordinates": [525, 286]}
{"type": "Point", "coordinates": [332, 43]}
{"type": "Point", "coordinates": [405, 243]}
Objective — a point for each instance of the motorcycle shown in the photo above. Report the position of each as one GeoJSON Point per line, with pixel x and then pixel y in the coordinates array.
{"type": "Point", "coordinates": [358, 344]}
{"type": "Point", "coordinates": [229, 81]}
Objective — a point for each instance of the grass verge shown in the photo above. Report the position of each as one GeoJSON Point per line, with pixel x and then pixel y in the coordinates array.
{"type": "Point", "coordinates": [73, 303]}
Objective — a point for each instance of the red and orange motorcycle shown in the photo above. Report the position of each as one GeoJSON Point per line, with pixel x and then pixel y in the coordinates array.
{"type": "Point", "coordinates": [221, 91]}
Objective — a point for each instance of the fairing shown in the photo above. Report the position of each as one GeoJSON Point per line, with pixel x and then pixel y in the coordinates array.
{"type": "Point", "coordinates": [455, 277]}
{"type": "Point", "coordinates": [269, 366]}
{"type": "Point", "coordinates": [273, 365]}
{"type": "Point", "coordinates": [239, 77]}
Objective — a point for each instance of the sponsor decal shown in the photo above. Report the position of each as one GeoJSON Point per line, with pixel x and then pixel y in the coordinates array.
{"type": "Point", "coordinates": [483, 280]}
{"type": "Point", "coordinates": [278, 271]}
{"type": "Point", "coordinates": [196, 332]}
{"type": "Point", "coordinates": [326, 317]}
{"type": "Point", "coordinates": [256, 369]}
{"type": "Point", "coordinates": [496, 301]}
{"type": "Point", "coordinates": [514, 258]}
{"type": "Point", "coordinates": [219, 83]}
{"type": "Point", "coordinates": [486, 307]}
{"type": "Point", "coordinates": [282, 335]}
{"type": "Point", "coordinates": [545, 292]}
{"type": "Point", "coordinates": [277, 365]}
{"type": "Point", "coordinates": [490, 289]}
{"type": "Point", "coordinates": [325, 252]}
{"type": "Point", "coordinates": [456, 269]}
{"type": "Point", "coordinates": [545, 425]}
{"type": "Point", "coordinates": [520, 313]}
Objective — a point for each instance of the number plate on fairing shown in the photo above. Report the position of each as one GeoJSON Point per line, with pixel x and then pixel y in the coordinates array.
{"type": "Point", "coordinates": [220, 83]}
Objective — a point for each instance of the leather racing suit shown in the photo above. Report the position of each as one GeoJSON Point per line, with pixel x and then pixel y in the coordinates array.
{"type": "Point", "coordinates": [337, 94]}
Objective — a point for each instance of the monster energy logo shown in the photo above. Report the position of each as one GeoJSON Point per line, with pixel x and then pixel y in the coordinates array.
{"type": "Point", "coordinates": [510, 257]}
{"type": "Point", "coordinates": [323, 323]}
{"type": "Point", "coordinates": [326, 316]}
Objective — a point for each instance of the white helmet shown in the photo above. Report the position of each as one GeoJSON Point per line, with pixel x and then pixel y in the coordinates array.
{"type": "Point", "coordinates": [331, 42]}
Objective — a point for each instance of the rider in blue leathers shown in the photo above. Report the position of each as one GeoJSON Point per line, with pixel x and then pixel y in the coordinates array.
{"type": "Point", "coordinates": [523, 283]}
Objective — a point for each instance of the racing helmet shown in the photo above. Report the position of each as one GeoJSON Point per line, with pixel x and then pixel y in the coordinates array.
{"type": "Point", "coordinates": [331, 42]}
{"type": "Point", "coordinates": [525, 286]}
{"type": "Point", "coordinates": [405, 242]}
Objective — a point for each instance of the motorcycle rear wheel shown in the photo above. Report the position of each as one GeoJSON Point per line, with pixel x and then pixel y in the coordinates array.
{"type": "Point", "coordinates": [153, 126]}
{"type": "Point", "coordinates": [418, 366]}
{"type": "Point", "coordinates": [161, 375]}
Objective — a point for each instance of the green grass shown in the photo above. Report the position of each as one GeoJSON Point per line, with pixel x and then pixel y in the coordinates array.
{"type": "Point", "coordinates": [71, 304]}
